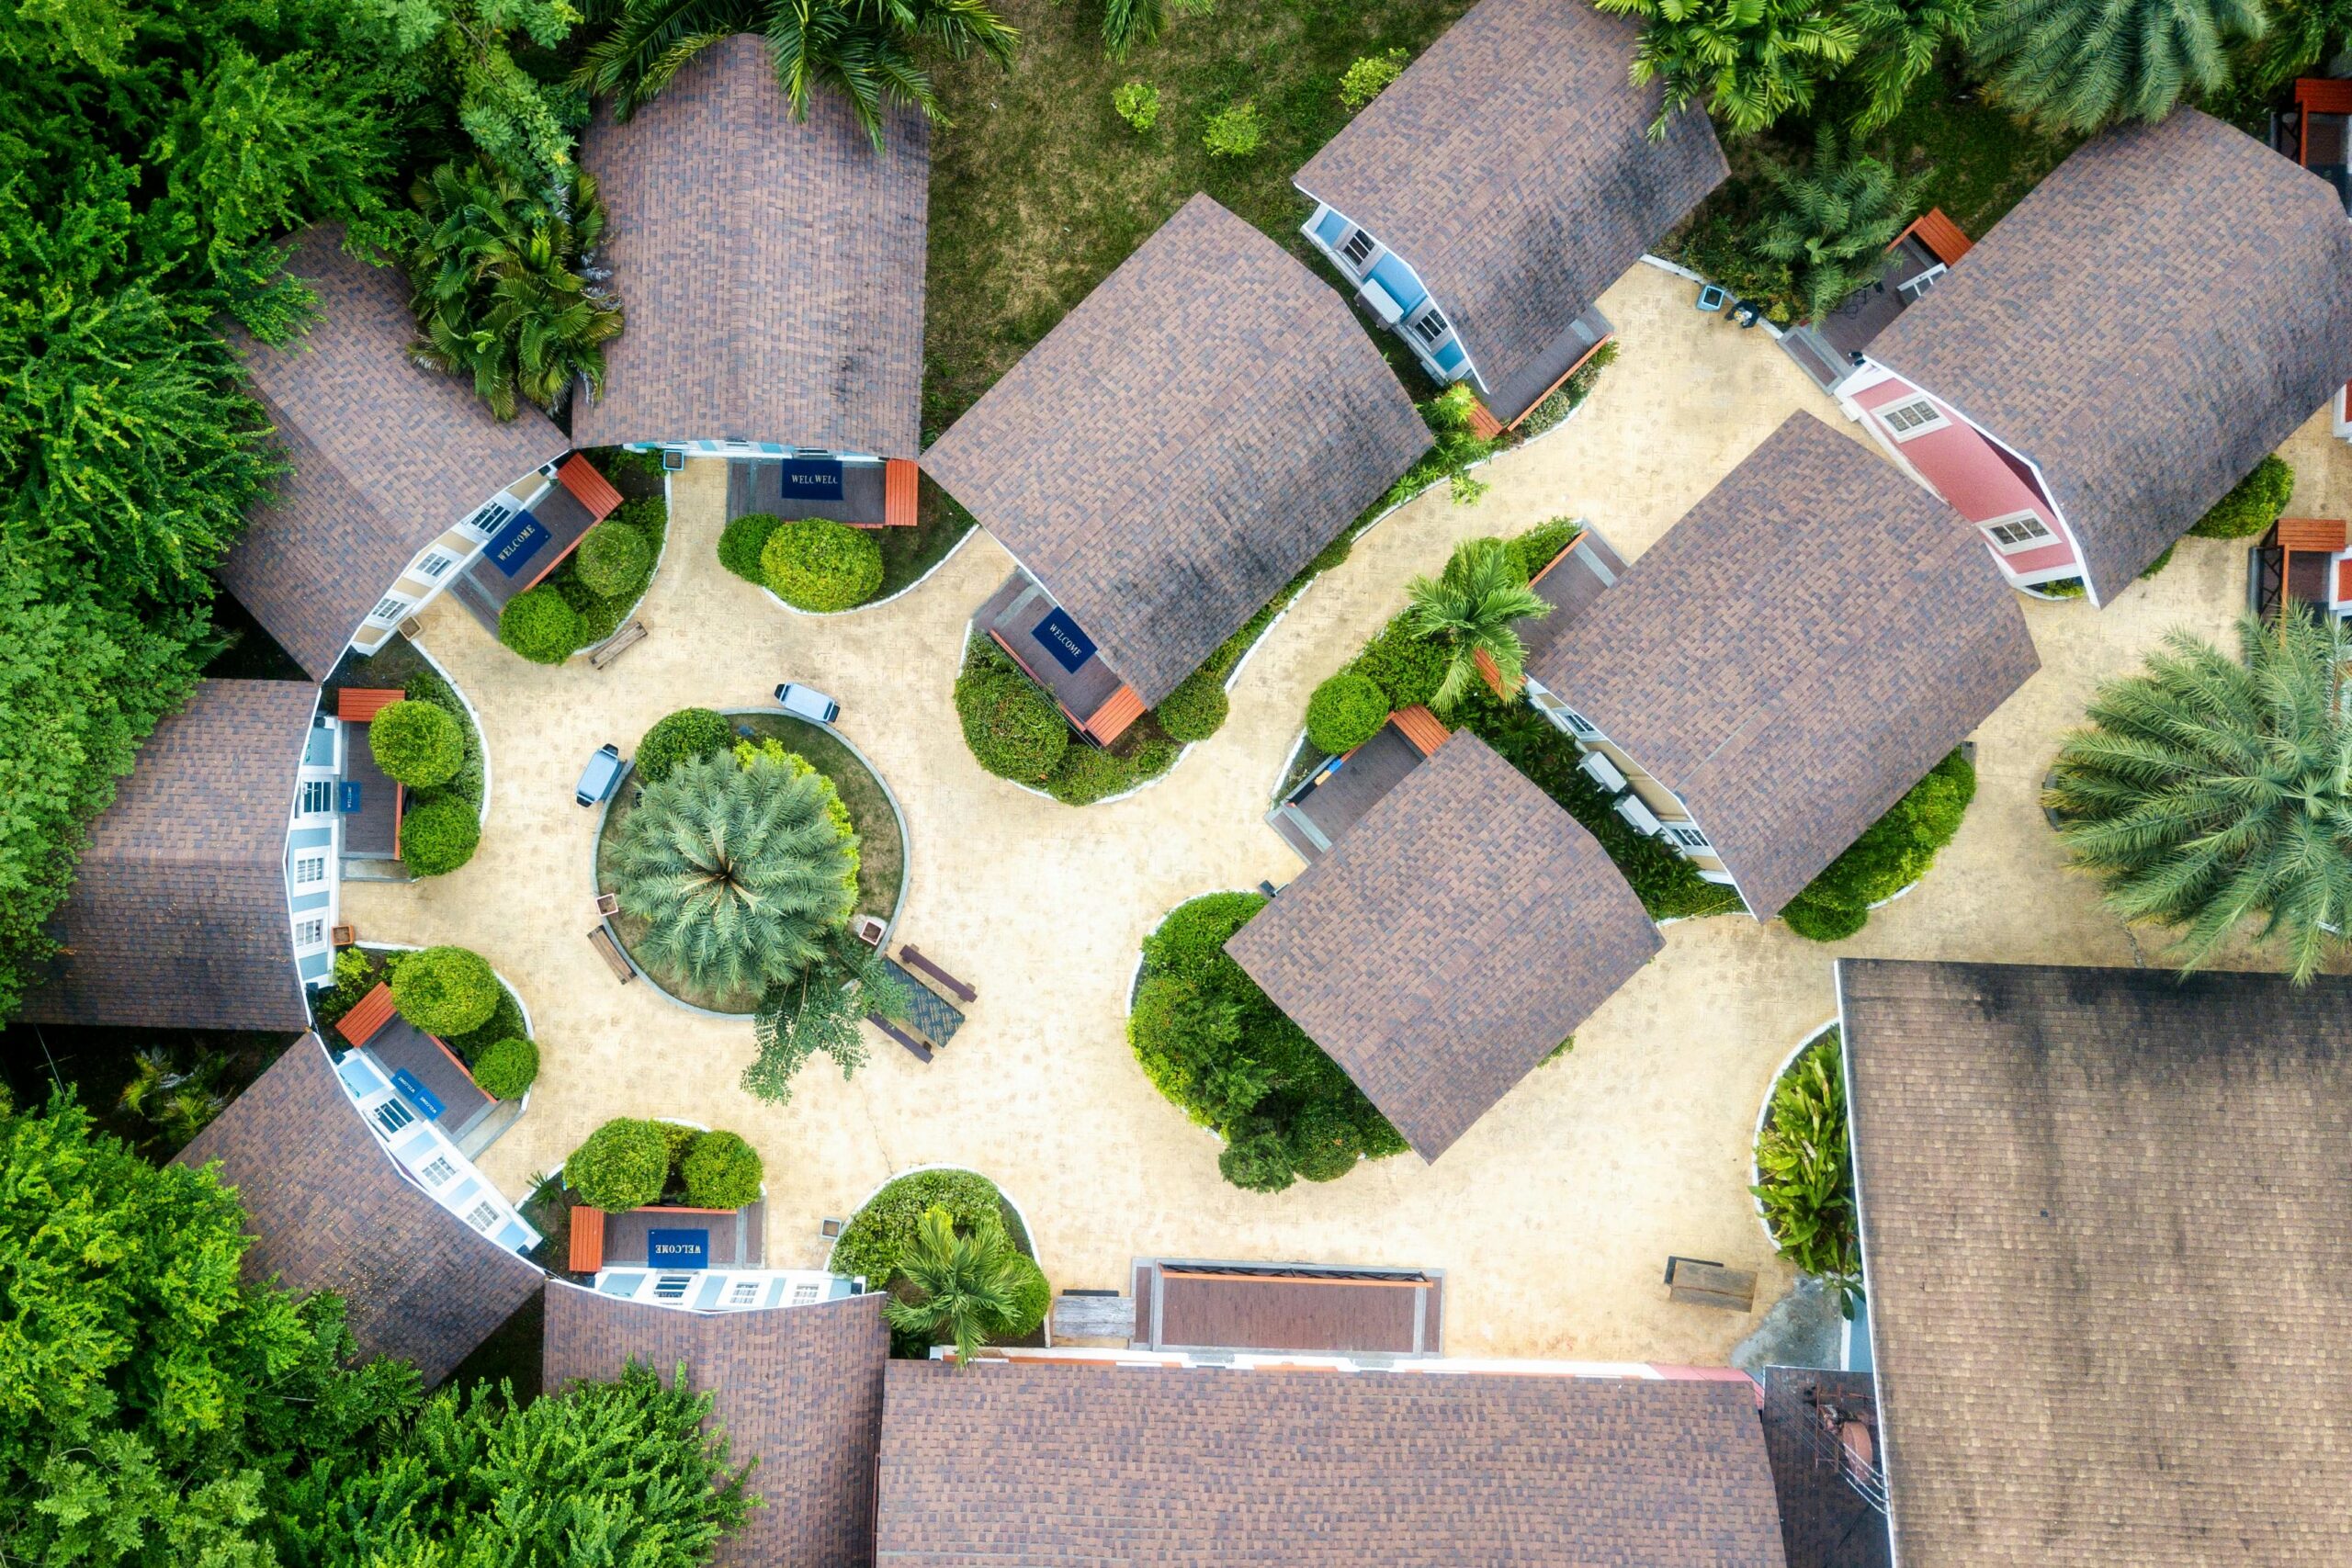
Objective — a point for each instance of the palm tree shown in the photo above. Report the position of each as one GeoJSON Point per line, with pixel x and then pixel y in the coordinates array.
{"type": "Point", "coordinates": [1751, 60]}
{"type": "Point", "coordinates": [2078, 65]}
{"type": "Point", "coordinates": [863, 48]}
{"type": "Point", "coordinates": [821, 1009]}
{"type": "Point", "coordinates": [959, 1287]}
{"type": "Point", "coordinates": [1900, 41]}
{"type": "Point", "coordinates": [1830, 221]}
{"type": "Point", "coordinates": [2305, 31]}
{"type": "Point", "coordinates": [2208, 789]}
{"type": "Point", "coordinates": [502, 290]}
{"type": "Point", "coordinates": [1469, 609]}
{"type": "Point", "coordinates": [738, 872]}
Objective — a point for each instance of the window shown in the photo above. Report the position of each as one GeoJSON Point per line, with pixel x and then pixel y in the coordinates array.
{"type": "Point", "coordinates": [1913, 416]}
{"type": "Point", "coordinates": [2022, 532]}
{"type": "Point", "coordinates": [389, 610]}
{"type": "Point", "coordinates": [439, 1170]}
{"type": "Point", "coordinates": [803, 1293]}
{"type": "Point", "coordinates": [317, 795]}
{"type": "Point", "coordinates": [1689, 838]}
{"type": "Point", "coordinates": [309, 869]}
{"type": "Point", "coordinates": [391, 1116]}
{"type": "Point", "coordinates": [1576, 721]}
{"type": "Point", "coordinates": [485, 523]}
{"type": "Point", "coordinates": [483, 1216]}
{"type": "Point", "coordinates": [1432, 327]}
{"type": "Point", "coordinates": [434, 564]}
{"type": "Point", "coordinates": [1358, 250]}
{"type": "Point", "coordinates": [310, 933]}
{"type": "Point", "coordinates": [744, 1292]}
{"type": "Point", "coordinates": [672, 1287]}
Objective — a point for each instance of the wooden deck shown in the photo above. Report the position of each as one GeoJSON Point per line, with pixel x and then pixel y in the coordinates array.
{"type": "Point", "coordinates": [1192, 1304]}
{"type": "Point", "coordinates": [738, 1237]}
{"type": "Point", "coordinates": [756, 484]}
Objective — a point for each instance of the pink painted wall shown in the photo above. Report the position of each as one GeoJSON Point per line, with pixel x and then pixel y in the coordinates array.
{"type": "Point", "coordinates": [1970, 474]}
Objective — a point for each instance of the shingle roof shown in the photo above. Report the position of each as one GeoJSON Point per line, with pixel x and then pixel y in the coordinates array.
{"type": "Point", "coordinates": [1448, 941]}
{"type": "Point", "coordinates": [1226, 1468]}
{"type": "Point", "coordinates": [2103, 1216]}
{"type": "Point", "coordinates": [2168, 306]}
{"type": "Point", "coordinates": [178, 918]}
{"type": "Point", "coordinates": [797, 1388]}
{"type": "Point", "coordinates": [1796, 653]}
{"type": "Point", "coordinates": [334, 1212]}
{"type": "Point", "coordinates": [1509, 167]}
{"type": "Point", "coordinates": [386, 455]}
{"type": "Point", "coordinates": [1182, 442]}
{"type": "Point", "coordinates": [771, 268]}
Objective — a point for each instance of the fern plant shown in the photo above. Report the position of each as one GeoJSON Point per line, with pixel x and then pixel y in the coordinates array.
{"type": "Point", "coordinates": [1470, 608]}
{"type": "Point", "coordinates": [2081, 65]}
{"type": "Point", "coordinates": [1830, 221]}
{"type": "Point", "coordinates": [821, 1009]}
{"type": "Point", "coordinates": [1749, 62]}
{"type": "Point", "coordinates": [1805, 1171]}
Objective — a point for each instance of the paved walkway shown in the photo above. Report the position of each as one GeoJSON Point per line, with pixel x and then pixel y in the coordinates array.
{"type": "Point", "coordinates": [1553, 1216]}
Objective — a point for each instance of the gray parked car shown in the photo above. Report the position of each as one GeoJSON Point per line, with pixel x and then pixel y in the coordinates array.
{"type": "Point", "coordinates": [807, 702]}
{"type": "Point", "coordinates": [603, 773]}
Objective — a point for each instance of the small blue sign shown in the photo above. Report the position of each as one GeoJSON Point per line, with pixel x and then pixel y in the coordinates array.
{"type": "Point", "coordinates": [512, 545]}
{"type": "Point", "coordinates": [347, 798]}
{"type": "Point", "coordinates": [1070, 647]}
{"type": "Point", "coordinates": [678, 1249]}
{"type": "Point", "coordinates": [417, 1094]}
{"type": "Point", "coordinates": [811, 478]}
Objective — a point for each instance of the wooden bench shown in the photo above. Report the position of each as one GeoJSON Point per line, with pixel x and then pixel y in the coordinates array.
{"type": "Point", "coordinates": [610, 951]}
{"type": "Point", "coordinates": [963, 992]}
{"type": "Point", "coordinates": [921, 1052]}
{"type": "Point", "coordinates": [1694, 1282]}
{"type": "Point", "coordinates": [618, 643]}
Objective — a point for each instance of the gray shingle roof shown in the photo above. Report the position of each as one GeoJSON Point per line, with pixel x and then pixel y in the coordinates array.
{"type": "Point", "coordinates": [2103, 1216]}
{"type": "Point", "coordinates": [1509, 167]}
{"type": "Point", "coordinates": [386, 454]}
{"type": "Point", "coordinates": [333, 1212]}
{"type": "Point", "coordinates": [771, 268]}
{"type": "Point", "coordinates": [2160, 313]}
{"type": "Point", "coordinates": [1217, 1467]}
{"type": "Point", "coordinates": [799, 1389]}
{"type": "Point", "coordinates": [1182, 442]}
{"type": "Point", "coordinates": [1796, 653]}
{"type": "Point", "coordinates": [1448, 941]}
{"type": "Point", "coordinates": [178, 918]}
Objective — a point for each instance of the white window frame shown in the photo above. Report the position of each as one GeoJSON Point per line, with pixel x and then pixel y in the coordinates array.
{"type": "Point", "coordinates": [310, 930]}
{"type": "Point", "coordinates": [439, 1170]}
{"type": "Point", "coordinates": [1933, 418]}
{"type": "Point", "coordinates": [391, 609]}
{"type": "Point", "coordinates": [487, 519]}
{"type": "Point", "coordinates": [1357, 263]}
{"type": "Point", "coordinates": [320, 789]}
{"type": "Point", "coordinates": [434, 563]}
{"type": "Point", "coordinates": [1687, 837]}
{"type": "Point", "coordinates": [1420, 324]}
{"type": "Point", "coordinates": [2035, 533]}
{"type": "Point", "coordinates": [309, 867]}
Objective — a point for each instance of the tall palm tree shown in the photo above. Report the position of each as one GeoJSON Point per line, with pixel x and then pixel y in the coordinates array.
{"type": "Point", "coordinates": [2080, 65]}
{"type": "Point", "coordinates": [959, 1287]}
{"type": "Point", "coordinates": [1468, 609]}
{"type": "Point", "coordinates": [2208, 789]}
{"type": "Point", "coordinates": [1749, 60]}
{"type": "Point", "coordinates": [863, 48]}
{"type": "Point", "coordinates": [1900, 41]}
{"type": "Point", "coordinates": [2302, 33]}
{"type": "Point", "coordinates": [501, 287]}
{"type": "Point", "coordinates": [738, 870]}
{"type": "Point", "coordinates": [1830, 221]}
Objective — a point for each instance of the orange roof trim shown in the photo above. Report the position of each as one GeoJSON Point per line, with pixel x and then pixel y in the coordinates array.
{"type": "Point", "coordinates": [589, 488]}
{"type": "Point", "coordinates": [363, 1022]}
{"type": "Point", "coordinates": [587, 1251]}
{"type": "Point", "coordinates": [1121, 709]}
{"type": "Point", "coordinates": [1420, 726]}
{"type": "Point", "coordinates": [1944, 239]}
{"type": "Point", "coordinates": [2323, 95]}
{"type": "Point", "coordinates": [360, 704]}
{"type": "Point", "coordinates": [2311, 533]}
{"type": "Point", "coordinates": [901, 481]}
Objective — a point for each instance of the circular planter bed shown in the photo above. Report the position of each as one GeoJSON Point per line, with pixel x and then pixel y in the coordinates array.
{"type": "Point", "coordinates": [874, 813]}
{"type": "Point", "coordinates": [884, 1226]}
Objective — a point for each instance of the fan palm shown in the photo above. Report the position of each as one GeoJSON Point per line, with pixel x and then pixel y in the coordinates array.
{"type": "Point", "coordinates": [2208, 789]}
{"type": "Point", "coordinates": [863, 48]}
{"type": "Point", "coordinates": [501, 292]}
{"type": "Point", "coordinates": [1830, 221]}
{"type": "Point", "coordinates": [2080, 65]}
{"type": "Point", "coordinates": [959, 1288]}
{"type": "Point", "coordinates": [1751, 60]}
{"type": "Point", "coordinates": [737, 871]}
{"type": "Point", "coordinates": [1468, 609]}
{"type": "Point", "coordinates": [820, 1010]}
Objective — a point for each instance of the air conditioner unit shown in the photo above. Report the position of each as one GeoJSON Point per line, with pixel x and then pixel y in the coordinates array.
{"type": "Point", "coordinates": [1643, 819]}
{"type": "Point", "coordinates": [1602, 772]}
{"type": "Point", "coordinates": [1384, 304]}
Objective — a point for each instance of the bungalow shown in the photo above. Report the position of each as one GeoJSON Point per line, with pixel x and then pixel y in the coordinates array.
{"type": "Point", "coordinates": [695, 1260]}
{"type": "Point", "coordinates": [1187, 1305]}
{"type": "Point", "coordinates": [2119, 351]}
{"type": "Point", "coordinates": [1482, 203]}
{"type": "Point", "coordinates": [1779, 669]}
{"type": "Point", "coordinates": [772, 266]}
{"type": "Point", "coordinates": [206, 896]}
{"type": "Point", "coordinates": [1458, 933]}
{"type": "Point", "coordinates": [2102, 1219]}
{"type": "Point", "coordinates": [402, 481]}
{"type": "Point", "coordinates": [1177, 449]}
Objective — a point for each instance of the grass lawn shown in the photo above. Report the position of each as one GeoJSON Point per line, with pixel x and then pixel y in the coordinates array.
{"type": "Point", "coordinates": [1984, 161]}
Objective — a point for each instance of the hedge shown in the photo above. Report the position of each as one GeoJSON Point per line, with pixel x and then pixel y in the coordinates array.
{"type": "Point", "coordinates": [1033, 1297]}
{"type": "Point", "coordinates": [1014, 729]}
{"type": "Point", "coordinates": [741, 542]}
{"type": "Point", "coordinates": [878, 1234]}
{"type": "Point", "coordinates": [680, 737]}
{"type": "Point", "coordinates": [507, 1068]}
{"type": "Point", "coordinates": [540, 626]}
{"type": "Point", "coordinates": [815, 563]}
{"type": "Point", "coordinates": [1892, 852]}
{"type": "Point", "coordinates": [1405, 666]}
{"type": "Point", "coordinates": [438, 837]}
{"type": "Point", "coordinates": [1541, 545]}
{"type": "Point", "coordinates": [720, 1171]}
{"type": "Point", "coordinates": [2252, 504]}
{"type": "Point", "coordinates": [504, 1023]}
{"type": "Point", "coordinates": [416, 744]}
{"type": "Point", "coordinates": [445, 990]}
{"type": "Point", "coordinates": [623, 1165]}
{"type": "Point", "coordinates": [612, 559]}
{"type": "Point", "coordinates": [1346, 710]}
{"type": "Point", "coordinates": [1196, 710]}
{"type": "Point", "coordinates": [1089, 773]}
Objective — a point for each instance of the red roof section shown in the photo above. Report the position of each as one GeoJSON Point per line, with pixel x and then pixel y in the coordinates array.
{"type": "Point", "coordinates": [375, 1011]}
{"type": "Point", "coordinates": [2310, 534]}
{"type": "Point", "coordinates": [360, 704]}
{"type": "Point", "coordinates": [589, 488]}
{"type": "Point", "coordinates": [2324, 95]}
{"type": "Point", "coordinates": [1420, 726]}
{"type": "Point", "coordinates": [1942, 237]}
{"type": "Point", "coordinates": [900, 483]}
{"type": "Point", "coordinates": [587, 1253]}
{"type": "Point", "coordinates": [1122, 708]}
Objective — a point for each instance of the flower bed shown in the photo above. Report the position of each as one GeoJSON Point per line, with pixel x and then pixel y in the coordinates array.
{"type": "Point", "coordinates": [880, 1235]}
{"type": "Point", "coordinates": [1804, 1169]}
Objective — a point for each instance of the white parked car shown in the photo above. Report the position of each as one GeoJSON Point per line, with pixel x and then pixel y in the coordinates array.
{"type": "Point", "coordinates": [807, 702]}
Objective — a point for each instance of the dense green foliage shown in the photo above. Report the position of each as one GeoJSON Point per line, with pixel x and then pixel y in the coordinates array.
{"type": "Point", "coordinates": [1137, 102]}
{"type": "Point", "coordinates": [623, 1165]}
{"type": "Point", "coordinates": [880, 1234]}
{"type": "Point", "coordinates": [613, 558]}
{"type": "Point", "coordinates": [1345, 711]}
{"type": "Point", "coordinates": [1749, 62]}
{"type": "Point", "coordinates": [1830, 220]}
{"type": "Point", "coordinates": [1892, 852]}
{"type": "Point", "coordinates": [1542, 545]}
{"type": "Point", "coordinates": [438, 837]}
{"type": "Point", "coordinates": [1213, 1043]}
{"type": "Point", "coordinates": [2208, 789]}
{"type": "Point", "coordinates": [720, 1171]}
{"type": "Point", "coordinates": [1473, 607]}
{"type": "Point", "coordinates": [600, 610]}
{"type": "Point", "coordinates": [1195, 709]}
{"type": "Point", "coordinates": [416, 743]}
{"type": "Point", "coordinates": [955, 1287]}
{"type": "Point", "coordinates": [2252, 504]}
{"type": "Point", "coordinates": [814, 563]}
{"type": "Point", "coordinates": [1029, 1300]}
{"type": "Point", "coordinates": [1369, 75]}
{"type": "Point", "coordinates": [821, 1009]}
{"type": "Point", "coordinates": [1012, 727]}
{"type": "Point", "coordinates": [506, 1068]}
{"type": "Point", "coordinates": [2080, 65]}
{"type": "Point", "coordinates": [445, 990]}
{"type": "Point", "coordinates": [742, 540]}
{"type": "Point", "coordinates": [540, 624]}
{"type": "Point", "coordinates": [1405, 666]}
{"type": "Point", "coordinates": [1234, 131]}
{"type": "Point", "coordinates": [680, 737]}
{"type": "Point", "coordinates": [2302, 33]}
{"type": "Point", "coordinates": [1569, 395]}
{"type": "Point", "coordinates": [1807, 1171]}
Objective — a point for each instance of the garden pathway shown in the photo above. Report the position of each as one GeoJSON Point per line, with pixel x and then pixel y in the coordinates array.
{"type": "Point", "coordinates": [1553, 1217]}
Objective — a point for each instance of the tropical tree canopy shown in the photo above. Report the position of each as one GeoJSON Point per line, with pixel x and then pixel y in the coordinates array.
{"type": "Point", "coordinates": [1830, 220]}
{"type": "Point", "coordinates": [2301, 34]}
{"type": "Point", "coordinates": [1468, 609]}
{"type": "Point", "coordinates": [2080, 65]}
{"type": "Point", "coordinates": [955, 1289]}
{"type": "Point", "coordinates": [2208, 790]}
{"type": "Point", "coordinates": [739, 869]}
{"type": "Point", "coordinates": [822, 1009]}
{"type": "Point", "coordinates": [1900, 41]}
{"type": "Point", "coordinates": [1748, 61]}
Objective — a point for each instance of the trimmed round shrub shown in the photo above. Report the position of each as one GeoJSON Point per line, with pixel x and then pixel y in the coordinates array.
{"type": "Point", "coordinates": [1817, 920]}
{"type": "Point", "coordinates": [1033, 1297]}
{"type": "Point", "coordinates": [680, 737]}
{"type": "Point", "coordinates": [815, 563]}
{"type": "Point", "coordinates": [1406, 667]}
{"type": "Point", "coordinates": [1089, 773]}
{"type": "Point", "coordinates": [507, 1068]}
{"type": "Point", "coordinates": [418, 744]}
{"type": "Point", "coordinates": [438, 837]}
{"type": "Point", "coordinates": [1014, 729]}
{"type": "Point", "coordinates": [741, 542]}
{"type": "Point", "coordinates": [1195, 709]}
{"type": "Point", "coordinates": [1324, 1142]}
{"type": "Point", "coordinates": [1345, 711]}
{"type": "Point", "coordinates": [1190, 943]}
{"type": "Point", "coordinates": [540, 624]}
{"type": "Point", "coordinates": [613, 560]}
{"type": "Point", "coordinates": [720, 1171]}
{"type": "Point", "coordinates": [878, 1235]}
{"type": "Point", "coordinates": [623, 1165]}
{"type": "Point", "coordinates": [1257, 1163]}
{"type": "Point", "coordinates": [2252, 504]}
{"type": "Point", "coordinates": [445, 990]}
